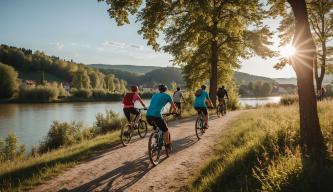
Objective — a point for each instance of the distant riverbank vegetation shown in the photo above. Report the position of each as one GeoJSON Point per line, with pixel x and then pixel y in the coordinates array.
{"type": "Point", "coordinates": [52, 78]}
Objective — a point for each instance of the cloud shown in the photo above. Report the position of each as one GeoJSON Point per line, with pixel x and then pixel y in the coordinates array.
{"type": "Point", "coordinates": [58, 45]}
{"type": "Point", "coordinates": [137, 46]}
{"type": "Point", "coordinates": [114, 44]}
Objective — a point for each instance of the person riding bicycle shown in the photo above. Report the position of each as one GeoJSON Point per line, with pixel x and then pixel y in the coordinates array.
{"type": "Point", "coordinates": [177, 96]}
{"type": "Point", "coordinates": [221, 93]}
{"type": "Point", "coordinates": [201, 97]}
{"type": "Point", "coordinates": [154, 116]}
{"type": "Point", "coordinates": [128, 102]}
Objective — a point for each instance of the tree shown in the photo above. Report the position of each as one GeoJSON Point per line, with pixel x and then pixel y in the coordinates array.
{"type": "Point", "coordinates": [206, 38]}
{"type": "Point", "coordinates": [9, 83]}
{"type": "Point", "coordinates": [266, 89]}
{"type": "Point", "coordinates": [109, 82]}
{"type": "Point", "coordinates": [81, 80]}
{"type": "Point", "coordinates": [321, 23]}
{"type": "Point", "coordinates": [311, 137]}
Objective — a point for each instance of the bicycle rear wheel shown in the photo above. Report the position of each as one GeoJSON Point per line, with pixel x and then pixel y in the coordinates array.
{"type": "Point", "coordinates": [153, 149]}
{"type": "Point", "coordinates": [142, 128]}
{"type": "Point", "coordinates": [126, 135]}
{"type": "Point", "coordinates": [199, 127]}
{"type": "Point", "coordinates": [218, 110]}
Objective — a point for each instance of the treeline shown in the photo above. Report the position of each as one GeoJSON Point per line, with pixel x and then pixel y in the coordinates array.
{"type": "Point", "coordinates": [79, 75]}
{"type": "Point", "coordinates": [257, 89]}
{"type": "Point", "coordinates": [77, 80]}
{"type": "Point", "coordinates": [165, 75]}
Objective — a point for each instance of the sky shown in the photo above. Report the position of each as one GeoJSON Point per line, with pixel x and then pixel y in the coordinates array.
{"type": "Point", "coordinates": [83, 31]}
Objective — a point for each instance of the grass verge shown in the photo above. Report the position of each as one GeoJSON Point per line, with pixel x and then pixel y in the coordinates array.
{"type": "Point", "coordinates": [261, 153]}
{"type": "Point", "coordinates": [23, 175]}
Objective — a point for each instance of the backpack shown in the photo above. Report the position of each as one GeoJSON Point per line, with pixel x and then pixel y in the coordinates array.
{"type": "Point", "coordinates": [128, 99]}
{"type": "Point", "coordinates": [198, 92]}
{"type": "Point", "coordinates": [220, 92]}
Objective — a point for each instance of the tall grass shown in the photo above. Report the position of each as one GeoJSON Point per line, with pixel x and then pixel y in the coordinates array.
{"type": "Point", "coordinates": [289, 99]}
{"type": "Point", "coordinates": [261, 153]}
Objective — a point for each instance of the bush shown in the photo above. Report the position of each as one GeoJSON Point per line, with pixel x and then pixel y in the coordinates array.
{"type": "Point", "coordinates": [99, 94]}
{"type": "Point", "coordinates": [289, 99]}
{"type": "Point", "coordinates": [39, 93]}
{"type": "Point", "coordinates": [82, 93]}
{"type": "Point", "coordinates": [11, 149]}
{"type": "Point", "coordinates": [9, 83]}
{"type": "Point", "coordinates": [63, 134]}
{"type": "Point", "coordinates": [108, 122]}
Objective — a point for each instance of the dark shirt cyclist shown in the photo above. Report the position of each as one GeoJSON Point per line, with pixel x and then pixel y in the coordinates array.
{"type": "Point", "coordinates": [221, 93]}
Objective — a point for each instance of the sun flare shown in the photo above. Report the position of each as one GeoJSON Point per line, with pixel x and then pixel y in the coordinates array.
{"type": "Point", "coordinates": [287, 51]}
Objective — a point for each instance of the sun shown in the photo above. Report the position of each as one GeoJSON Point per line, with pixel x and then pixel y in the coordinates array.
{"type": "Point", "coordinates": [287, 50]}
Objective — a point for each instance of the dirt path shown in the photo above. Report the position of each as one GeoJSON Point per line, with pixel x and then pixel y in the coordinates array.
{"type": "Point", "coordinates": [129, 169]}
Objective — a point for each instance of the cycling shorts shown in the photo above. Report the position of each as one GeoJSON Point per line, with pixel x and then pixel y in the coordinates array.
{"type": "Point", "coordinates": [129, 111]}
{"type": "Point", "coordinates": [203, 109]}
{"type": "Point", "coordinates": [157, 121]}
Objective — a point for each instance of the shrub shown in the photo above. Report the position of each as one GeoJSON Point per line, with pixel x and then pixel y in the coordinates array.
{"type": "Point", "coordinates": [11, 149]}
{"type": "Point", "coordinates": [62, 134]}
{"type": "Point", "coordinates": [82, 93]}
{"type": "Point", "coordinates": [9, 84]}
{"type": "Point", "coordinates": [289, 99]}
{"type": "Point", "coordinates": [39, 93]}
{"type": "Point", "coordinates": [99, 94]}
{"type": "Point", "coordinates": [108, 122]}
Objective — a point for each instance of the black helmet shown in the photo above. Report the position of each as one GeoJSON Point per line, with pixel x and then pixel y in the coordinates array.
{"type": "Point", "coordinates": [162, 88]}
{"type": "Point", "coordinates": [203, 87]}
{"type": "Point", "coordinates": [178, 88]}
{"type": "Point", "coordinates": [222, 86]}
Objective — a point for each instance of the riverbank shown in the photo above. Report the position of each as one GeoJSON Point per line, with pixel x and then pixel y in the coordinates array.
{"type": "Point", "coordinates": [261, 152]}
{"type": "Point", "coordinates": [109, 98]}
{"type": "Point", "coordinates": [24, 173]}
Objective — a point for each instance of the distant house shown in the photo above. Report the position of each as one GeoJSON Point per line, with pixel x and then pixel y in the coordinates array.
{"type": "Point", "coordinates": [286, 88]}
{"type": "Point", "coordinates": [30, 83]}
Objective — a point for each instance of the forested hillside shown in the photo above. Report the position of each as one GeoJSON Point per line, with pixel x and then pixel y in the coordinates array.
{"type": "Point", "coordinates": [40, 67]}
{"type": "Point", "coordinates": [167, 75]}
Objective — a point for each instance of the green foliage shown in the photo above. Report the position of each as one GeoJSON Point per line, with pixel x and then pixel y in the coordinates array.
{"type": "Point", "coordinates": [81, 80]}
{"type": "Point", "coordinates": [64, 134]}
{"type": "Point", "coordinates": [261, 153]}
{"type": "Point", "coordinates": [31, 64]}
{"type": "Point", "coordinates": [47, 92]}
{"type": "Point", "coordinates": [110, 121]}
{"type": "Point", "coordinates": [11, 149]}
{"type": "Point", "coordinates": [258, 89]}
{"type": "Point", "coordinates": [200, 34]}
{"type": "Point", "coordinates": [9, 83]}
{"type": "Point", "coordinates": [81, 93]}
{"type": "Point", "coordinates": [289, 99]}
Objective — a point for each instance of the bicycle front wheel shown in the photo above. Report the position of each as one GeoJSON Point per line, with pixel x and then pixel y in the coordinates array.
{"type": "Point", "coordinates": [142, 128]}
{"type": "Point", "coordinates": [199, 128]}
{"type": "Point", "coordinates": [126, 135]}
{"type": "Point", "coordinates": [218, 111]}
{"type": "Point", "coordinates": [153, 149]}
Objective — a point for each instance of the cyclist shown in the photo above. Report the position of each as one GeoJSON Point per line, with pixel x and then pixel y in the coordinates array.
{"type": "Point", "coordinates": [201, 97]}
{"type": "Point", "coordinates": [177, 96]}
{"type": "Point", "coordinates": [221, 93]}
{"type": "Point", "coordinates": [128, 102]}
{"type": "Point", "coordinates": [154, 117]}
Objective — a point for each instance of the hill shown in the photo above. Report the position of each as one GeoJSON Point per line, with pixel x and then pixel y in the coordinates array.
{"type": "Point", "coordinates": [155, 74]}
{"type": "Point", "coordinates": [129, 68]}
{"type": "Point", "coordinates": [327, 79]}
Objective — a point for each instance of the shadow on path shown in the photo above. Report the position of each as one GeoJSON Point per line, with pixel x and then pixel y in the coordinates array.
{"type": "Point", "coordinates": [130, 172]}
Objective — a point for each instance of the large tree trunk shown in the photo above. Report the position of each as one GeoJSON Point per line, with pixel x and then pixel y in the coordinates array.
{"type": "Point", "coordinates": [213, 72]}
{"type": "Point", "coordinates": [312, 142]}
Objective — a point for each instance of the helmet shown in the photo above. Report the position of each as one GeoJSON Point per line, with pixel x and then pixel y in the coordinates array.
{"type": "Point", "coordinates": [222, 86]}
{"type": "Point", "coordinates": [162, 88]}
{"type": "Point", "coordinates": [134, 88]}
{"type": "Point", "coordinates": [203, 87]}
{"type": "Point", "coordinates": [178, 88]}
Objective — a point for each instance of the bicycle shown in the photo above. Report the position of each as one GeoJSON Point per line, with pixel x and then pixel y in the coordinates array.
{"type": "Point", "coordinates": [127, 131]}
{"type": "Point", "coordinates": [200, 124]}
{"type": "Point", "coordinates": [221, 108]}
{"type": "Point", "coordinates": [156, 143]}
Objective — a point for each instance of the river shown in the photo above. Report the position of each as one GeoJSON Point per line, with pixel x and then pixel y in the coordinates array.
{"type": "Point", "coordinates": [31, 122]}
